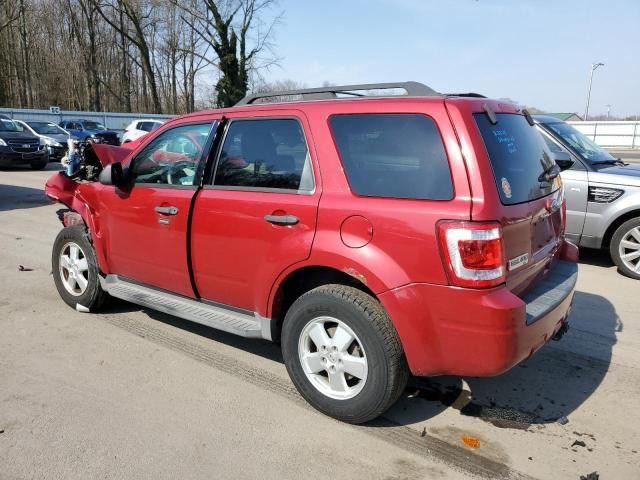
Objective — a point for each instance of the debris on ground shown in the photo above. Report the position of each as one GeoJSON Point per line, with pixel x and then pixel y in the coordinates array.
{"type": "Point", "coordinates": [22, 268]}
{"type": "Point", "coordinates": [471, 441]}
{"type": "Point", "coordinates": [424, 432]}
{"type": "Point", "coordinates": [578, 443]}
{"type": "Point", "coordinates": [563, 420]}
{"type": "Point", "coordinates": [590, 476]}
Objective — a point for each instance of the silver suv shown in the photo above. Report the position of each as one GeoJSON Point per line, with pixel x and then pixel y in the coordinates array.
{"type": "Point", "coordinates": [603, 194]}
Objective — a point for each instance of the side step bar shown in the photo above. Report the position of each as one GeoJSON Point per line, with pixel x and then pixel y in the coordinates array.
{"type": "Point", "coordinates": [244, 325]}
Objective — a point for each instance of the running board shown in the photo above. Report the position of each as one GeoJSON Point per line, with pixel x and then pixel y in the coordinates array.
{"type": "Point", "coordinates": [244, 325]}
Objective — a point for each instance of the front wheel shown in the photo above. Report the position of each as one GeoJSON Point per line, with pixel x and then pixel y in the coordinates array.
{"type": "Point", "coordinates": [625, 248]}
{"type": "Point", "coordinates": [75, 269]}
{"type": "Point", "coordinates": [343, 353]}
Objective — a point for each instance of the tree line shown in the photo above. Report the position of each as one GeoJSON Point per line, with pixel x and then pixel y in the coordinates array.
{"type": "Point", "coordinates": [156, 56]}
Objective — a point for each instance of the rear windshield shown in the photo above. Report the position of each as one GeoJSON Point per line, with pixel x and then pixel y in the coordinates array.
{"type": "Point", "coordinates": [393, 155]}
{"type": "Point", "coordinates": [148, 126]}
{"type": "Point", "coordinates": [518, 157]}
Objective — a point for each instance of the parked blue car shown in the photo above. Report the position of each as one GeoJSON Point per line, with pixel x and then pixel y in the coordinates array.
{"type": "Point", "coordinates": [89, 129]}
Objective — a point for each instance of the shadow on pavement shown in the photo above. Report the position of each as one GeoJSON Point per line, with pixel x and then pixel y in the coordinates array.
{"type": "Point", "coordinates": [547, 388]}
{"type": "Point", "coordinates": [13, 197]}
{"type": "Point", "coordinates": [597, 258]}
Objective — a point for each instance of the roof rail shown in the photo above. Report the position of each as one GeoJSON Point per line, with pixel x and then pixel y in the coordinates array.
{"type": "Point", "coordinates": [413, 89]}
{"type": "Point", "coordinates": [468, 94]}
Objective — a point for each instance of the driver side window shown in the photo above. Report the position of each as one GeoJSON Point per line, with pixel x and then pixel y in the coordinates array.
{"type": "Point", "coordinates": [172, 157]}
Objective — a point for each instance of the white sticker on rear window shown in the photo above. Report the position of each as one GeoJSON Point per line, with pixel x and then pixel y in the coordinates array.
{"type": "Point", "coordinates": [506, 187]}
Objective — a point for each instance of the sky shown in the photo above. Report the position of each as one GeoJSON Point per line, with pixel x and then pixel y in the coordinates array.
{"type": "Point", "coordinates": [538, 53]}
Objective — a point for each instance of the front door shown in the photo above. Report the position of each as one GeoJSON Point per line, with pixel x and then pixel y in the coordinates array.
{"type": "Point", "coordinates": [258, 216]}
{"type": "Point", "coordinates": [146, 226]}
{"type": "Point", "coordinates": [576, 190]}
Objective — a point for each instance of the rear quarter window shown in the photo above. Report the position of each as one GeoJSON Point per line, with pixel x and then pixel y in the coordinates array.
{"type": "Point", "coordinates": [393, 155]}
{"type": "Point", "coordinates": [518, 157]}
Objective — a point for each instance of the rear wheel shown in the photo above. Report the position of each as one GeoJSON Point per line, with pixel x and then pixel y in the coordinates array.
{"type": "Point", "coordinates": [75, 269]}
{"type": "Point", "coordinates": [625, 248]}
{"type": "Point", "coordinates": [343, 353]}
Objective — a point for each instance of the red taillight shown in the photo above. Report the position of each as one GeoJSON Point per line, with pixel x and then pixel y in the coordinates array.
{"type": "Point", "coordinates": [473, 253]}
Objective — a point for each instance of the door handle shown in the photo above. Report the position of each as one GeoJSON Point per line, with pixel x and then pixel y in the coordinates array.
{"type": "Point", "coordinates": [167, 210]}
{"type": "Point", "coordinates": [282, 219]}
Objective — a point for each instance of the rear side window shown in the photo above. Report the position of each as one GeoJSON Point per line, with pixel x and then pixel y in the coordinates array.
{"type": "Point", "coordinates": [147, 126]}
{"type": "Point", "coordinates": [518, 155]}
{"type": "Point", "coordinates": [265, 154]}
{"type": "Point", "coordinates": [393, 156]}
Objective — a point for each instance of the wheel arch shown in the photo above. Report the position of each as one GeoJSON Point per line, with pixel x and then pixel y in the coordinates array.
{"type": "Point", "coordinates": [303, 279]}
{"type": "Point", "coordinates": [613, 226]}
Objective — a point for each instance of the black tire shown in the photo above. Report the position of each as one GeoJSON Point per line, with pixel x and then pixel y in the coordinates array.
{"type": "Point", "coordinates": [614, 249]}
{"type": "Point", "coordinates": [93, 296]}
{"type": "Point", "coordinates": [387, 367]}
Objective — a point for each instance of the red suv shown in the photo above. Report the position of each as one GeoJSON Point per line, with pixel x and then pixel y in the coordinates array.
{"type": "Point", "coordinates": [372, 236]}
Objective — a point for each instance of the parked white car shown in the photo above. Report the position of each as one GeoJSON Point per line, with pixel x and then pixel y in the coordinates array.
{"type": "Point", "coordinates": [138, 128]}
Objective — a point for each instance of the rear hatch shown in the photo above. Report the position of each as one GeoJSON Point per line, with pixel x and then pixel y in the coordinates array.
{"type": "Point", "coordinates": [529, 203]}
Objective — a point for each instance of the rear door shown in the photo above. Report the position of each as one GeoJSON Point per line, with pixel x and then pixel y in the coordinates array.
{"type": "Point", "coordinates": [258, 214]}
{"type": "Point", "coordinates": [146, 225]}
{"type": "Point", "coordinates": [529, 207]}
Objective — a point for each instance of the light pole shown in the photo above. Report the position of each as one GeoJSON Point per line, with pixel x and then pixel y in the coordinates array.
{"type": "Point", "coordinates": [594, 66]}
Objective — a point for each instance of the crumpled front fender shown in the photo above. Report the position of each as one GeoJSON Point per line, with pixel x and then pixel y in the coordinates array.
{"type": "Point", "coordinates": [80, 198]}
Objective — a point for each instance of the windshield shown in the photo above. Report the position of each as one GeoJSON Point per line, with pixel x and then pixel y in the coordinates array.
{"type": "Point", "coordinates": [584, 146]}
{"type": "Point", "coordinates": [46, 128]}
{"type": "Point", "coordinates": [7, 125]}
{"type": "Point", "coordinates": [93, 126]}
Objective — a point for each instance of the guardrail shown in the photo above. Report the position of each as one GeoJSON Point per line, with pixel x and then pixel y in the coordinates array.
{"type": "Point", "coordinates": [112, 120]}
{"type": "Point", "coordinates": [611, 133]}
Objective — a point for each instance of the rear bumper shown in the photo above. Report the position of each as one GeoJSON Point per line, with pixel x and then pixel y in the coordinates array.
{"type": "Point", "coordinates": [459, 331]}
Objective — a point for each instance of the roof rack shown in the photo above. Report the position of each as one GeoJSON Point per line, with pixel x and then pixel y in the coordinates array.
{"type": "Point", "coordinates": [468, 94]}
{"type": "Point", "coordinates": [413, 89]}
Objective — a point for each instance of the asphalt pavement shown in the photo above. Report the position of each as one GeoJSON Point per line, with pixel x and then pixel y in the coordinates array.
{"type": "Point", "coordinates": [132, 393]}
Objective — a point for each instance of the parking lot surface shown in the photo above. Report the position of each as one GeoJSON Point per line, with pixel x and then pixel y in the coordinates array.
{"type": "Point", "coordinates": [132, 393]}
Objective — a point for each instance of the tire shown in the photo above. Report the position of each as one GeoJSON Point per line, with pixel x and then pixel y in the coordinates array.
{"type": "Point", "coordinates": [87, 293]}
{"type": "Point", "coordinates": [623, 251]}
{"type": "Point", "coordinates": [375, 345]}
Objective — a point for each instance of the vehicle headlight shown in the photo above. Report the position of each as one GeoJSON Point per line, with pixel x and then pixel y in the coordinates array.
{"type": "Point", "coordinates": [3, 143]}
{"type": "Point", "coordinates": [49, 141]}
{"type": "Point", "coordinates": [604, 194]}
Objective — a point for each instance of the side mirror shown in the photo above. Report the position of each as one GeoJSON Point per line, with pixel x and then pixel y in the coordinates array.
{"type": "Point", "coordinates": [563, 160]}
{"type": "Point", "coordinates": [112, 174]}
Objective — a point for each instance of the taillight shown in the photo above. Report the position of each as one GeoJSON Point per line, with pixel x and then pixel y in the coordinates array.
{"type": "Point", "coordinates": [473, 253]}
